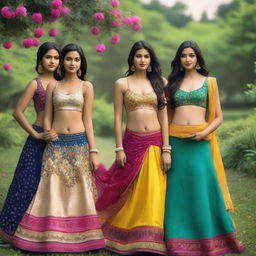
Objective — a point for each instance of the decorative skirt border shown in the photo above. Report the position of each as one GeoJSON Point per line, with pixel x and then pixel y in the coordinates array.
{"type": "Point", "coordinates": [214, 246]}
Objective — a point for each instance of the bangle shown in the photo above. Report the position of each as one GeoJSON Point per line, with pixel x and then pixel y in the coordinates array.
{"type": "Point", "coordinates": [119, 149]}
{"type": "Point", "coordinates": [168, 147]}
{"type": "Point", "coordinates": [94, 150]}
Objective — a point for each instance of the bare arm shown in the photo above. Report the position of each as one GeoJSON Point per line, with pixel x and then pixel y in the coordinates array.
{"type": "Point", "coordinates": [48, 116]}
{"type": "Point", "coordinates": [21, 106]}
{"type": "Point", "coordinates": [215, 123]}
{"type": "Point", "coordinates": [87, 120]}
{"type": "Point", "coordinates": [118, 110]}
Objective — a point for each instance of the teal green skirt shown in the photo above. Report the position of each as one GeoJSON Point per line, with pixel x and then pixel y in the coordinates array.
{"type": "Point", "coordinates": [196, 220]}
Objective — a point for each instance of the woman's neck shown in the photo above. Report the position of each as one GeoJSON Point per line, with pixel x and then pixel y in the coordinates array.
{"type": "Point", "coordinates": [190, 74]}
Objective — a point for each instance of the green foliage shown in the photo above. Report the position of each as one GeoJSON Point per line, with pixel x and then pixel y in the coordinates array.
{"type": "Point", "coordinates": [240, 151]}
{"type": "Point", "coordinates": [175, 15]}
{"type": "Point", "coordinates": [103, 118]}
{"type": "Point", "coordinates": [9, 136]}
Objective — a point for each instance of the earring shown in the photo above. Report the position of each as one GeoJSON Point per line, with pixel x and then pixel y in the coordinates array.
{"type": "Point", "coordinates": [133, 68]}
{"type": "Point", "coordinates": [197, 66]}
{"type": "Point", "coordinates": [149, 69]}
{"type": "Point", "coordinates": [79, 72]}
{"type": "Point", "coordinates": [40, 68]}
{"type": "Point", "coordinates": [181, 68]}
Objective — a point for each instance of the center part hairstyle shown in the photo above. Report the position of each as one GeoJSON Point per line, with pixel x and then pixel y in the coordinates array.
{"type": "Point", "coordinates": [177, 73]}
{"type": "Point", "coordinates": [155, 76]}
{"type": "Point", "coordinates": [42, 50]}
{"type": "Point", "coordinates": [70, 48]}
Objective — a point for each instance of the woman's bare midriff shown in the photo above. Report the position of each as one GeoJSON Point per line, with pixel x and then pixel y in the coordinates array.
{"type": "Point", "coordinates": [143, 120]}
{"type": "Point", "coordinates": [39, 119]}
{"type": "Point", "coordinates": [68, 122]}
{"type": "Point", "coordinates": [189, 115]}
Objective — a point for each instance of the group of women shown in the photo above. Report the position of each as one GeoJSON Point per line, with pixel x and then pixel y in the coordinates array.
{"type": "Point", "coordinates": [166, 192]}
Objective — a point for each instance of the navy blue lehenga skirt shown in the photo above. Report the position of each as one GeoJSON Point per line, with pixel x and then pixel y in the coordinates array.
{"type": "Point", "coordinates": [24, 184]}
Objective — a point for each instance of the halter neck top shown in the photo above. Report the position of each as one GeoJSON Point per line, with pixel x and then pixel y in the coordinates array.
{"type": "Point", "coordinates": [39, 96]}
{"type": "Point", "coordinates": [134, 101]}
{"type": "Point", "coordinates": [198, 97]}
{"type": "Point", "coordinates": [68, 101]}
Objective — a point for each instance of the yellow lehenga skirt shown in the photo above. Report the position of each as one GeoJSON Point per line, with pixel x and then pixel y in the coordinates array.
{"type": "Point", "coordinates": [138, 225]}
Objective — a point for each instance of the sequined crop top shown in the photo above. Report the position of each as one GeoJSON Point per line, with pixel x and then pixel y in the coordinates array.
{"type": "Point", "coordinates": [39, 96]}
{"type": "Point", "coordinates": [198, 97]}
{"type": "Point", "coordinates": [68, 101]}
{"type": "Point", "coordinates": [134, 101]}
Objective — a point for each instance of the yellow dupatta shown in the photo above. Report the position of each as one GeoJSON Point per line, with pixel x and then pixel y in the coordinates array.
{"type": "Point", "coordinates": [183, 131]}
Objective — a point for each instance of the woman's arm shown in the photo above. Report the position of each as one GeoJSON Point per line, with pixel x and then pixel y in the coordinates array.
{"type": "Point", "coordinates": [21, 106]}
{"type": "Point", "coordinates": [48, 108]}
{"type": "Point", "coordinates": [87, 120]}
{"type": "Point", "coordinates": [215, 123]}
{"type": "Point", "coordinates": [118, 112]}
{"type": "Point", "coordinates": [166, 157]}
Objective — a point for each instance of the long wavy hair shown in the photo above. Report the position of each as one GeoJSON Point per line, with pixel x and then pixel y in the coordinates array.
{"type": "Point", "coordinates": [177, 74]}
{"type": "Point", "coordinates": [42, 50]}
{"type": "Point", "coordinates": [69, 48]}
{"type": "Point", "coordinates": [155, 76]}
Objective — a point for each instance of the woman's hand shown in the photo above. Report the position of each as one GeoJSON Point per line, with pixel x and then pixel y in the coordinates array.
{"type": "Point", "coordinates": [94, 161]}
{"type": "Point", "coordinates": [120, 158]}
{"type": "Point", "coordinates": [48, 136]}
{"type": "Point", "coordinates": [165, 161]}
{"type": "Point", "coordinates": [198, 135]}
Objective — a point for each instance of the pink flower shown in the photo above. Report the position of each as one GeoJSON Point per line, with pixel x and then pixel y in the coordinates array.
{"type": "Point", "coordinates": [115, 24]}
{"type": "Point", "coordinates": [64, 11]}
{"type": "Point", "coordinates": [116, 14]}
{"type": "Point", "coordinates": [95, 30]}
{"type": "Point", "coordinates": [7, 13]}
{"type": "Point", "coordinates": [7, 67]}
{"type": "Point", "coordinates": [115, 39]}
{"type": "Point", "coordinates": [100, 48]}
{"type": "Point", "coordinates": [21, 11]}
{"type": "Point", "coordinates": [39, 32]}
{"type": "Point", "coordinates": [27, 42]}
{"type": "Point", "coordinates": [99, 16]}
{"type": "Point", "coordinates": [53, 32]}
{"type": "Point", "coordinates": [55, 13]}
{"type": "Point", "coordinates": [36, 42]}
{"type": "Point", "coordinates": [136, 27]}
{"type": "Point", "coordinates": [115, 3]}
{"type": "Point", "coordinates": [136, 19]}
{"type": "Point", "coordinates": [56, 4]}
{"type": "Point", "coordinates": [37, 18]}
{"type": "Point", "coordinates": [7, 45]}
{"type": "Point", "coordinates": [128, 20]}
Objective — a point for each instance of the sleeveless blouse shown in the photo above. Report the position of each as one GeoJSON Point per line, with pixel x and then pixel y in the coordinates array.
{"type": "Point", "coordinates": [198, 97]}
{"type": "Point", "coordinates": [39, 96]}
{"type": "Point", "coordinates": [68, 101]}
{"type": "Point", "coordinates": [134, 101]}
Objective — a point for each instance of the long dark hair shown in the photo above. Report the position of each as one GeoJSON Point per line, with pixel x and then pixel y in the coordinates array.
{"type": "Point", "coordinates": [155, 76]}
{"type": "Point", "coordinates": [42, 50]}
{"type": "Point", "coordinates": [83, 67]}
{"type": "Point", "coordinates": [177, 74]}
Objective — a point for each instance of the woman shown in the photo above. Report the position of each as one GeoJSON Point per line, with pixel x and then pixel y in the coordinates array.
{"type": "Point", "coordinates": [131, 194]}
{"type": "Point", "coordinates": [62, 215]}
{"type": "Point", "coordinates": [197, 221]}
{"type": "Point", "coordinates": [27, 173]}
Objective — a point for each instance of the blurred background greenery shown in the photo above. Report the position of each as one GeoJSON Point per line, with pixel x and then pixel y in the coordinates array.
{"type": "Point", "coordinates": [228, 42]}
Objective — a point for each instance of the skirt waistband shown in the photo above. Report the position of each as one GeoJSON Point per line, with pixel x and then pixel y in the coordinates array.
{"type": "Point", "coordinates": [71, 139]}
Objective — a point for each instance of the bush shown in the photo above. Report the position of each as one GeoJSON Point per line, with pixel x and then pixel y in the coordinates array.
{"type": "Point", "coordinates": [103, 118]}
{"type": "Point", "coordinates": [240, 151]}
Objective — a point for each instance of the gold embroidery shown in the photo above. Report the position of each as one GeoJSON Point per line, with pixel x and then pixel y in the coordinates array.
{"type": "Point", "coordinates": [70, 163]}
{"type": "Point", "coordinates": [59, 236]}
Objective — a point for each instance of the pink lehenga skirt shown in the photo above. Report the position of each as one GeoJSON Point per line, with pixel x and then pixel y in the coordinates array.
{"type": "Point", "coordinates": [62, 215]}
